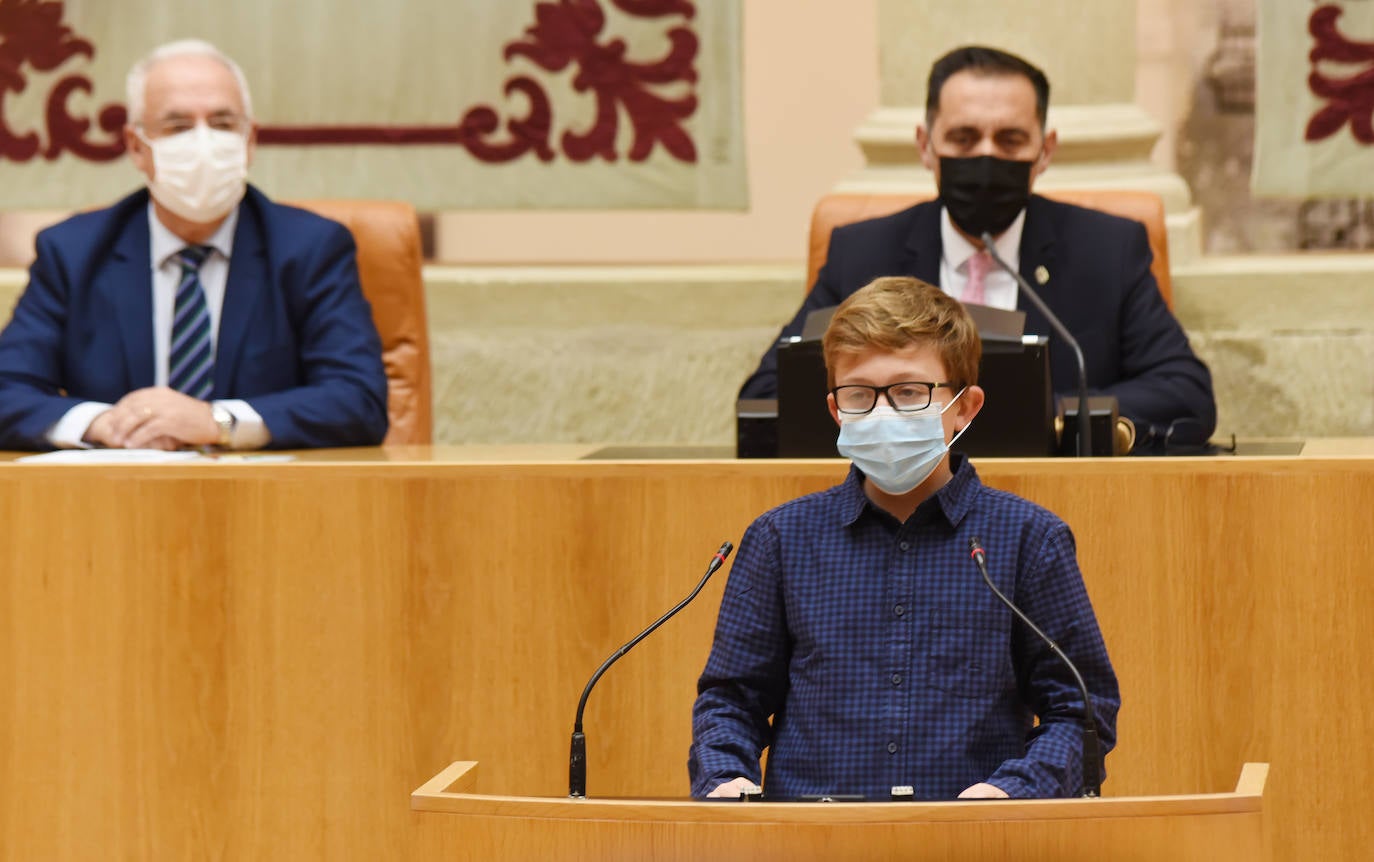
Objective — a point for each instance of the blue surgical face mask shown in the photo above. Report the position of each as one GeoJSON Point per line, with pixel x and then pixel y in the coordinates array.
{"type": "Point", "coordinates": [896, 450]}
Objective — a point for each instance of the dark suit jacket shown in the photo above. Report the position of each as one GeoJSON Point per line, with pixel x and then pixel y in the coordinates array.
{"type": "Point", "coordinates": [296, 338]}
{"type": "Point", "coordinates": [1100, 286]}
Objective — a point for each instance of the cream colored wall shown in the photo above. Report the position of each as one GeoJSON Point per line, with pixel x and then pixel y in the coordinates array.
{"type": "Point", "coordinates": [1172, 36]}
{"type": "Point", "coordinates": [810, 78]}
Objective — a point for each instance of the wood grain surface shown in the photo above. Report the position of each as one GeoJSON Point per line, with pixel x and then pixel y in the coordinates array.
{"type": "Point", "coordinates": [262, 661]}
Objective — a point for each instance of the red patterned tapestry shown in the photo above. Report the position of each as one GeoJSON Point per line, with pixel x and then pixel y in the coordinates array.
{"type": "Point", "coordinates": [451, 104]}
{"type": "Point", "coordinates": [1315, 98]}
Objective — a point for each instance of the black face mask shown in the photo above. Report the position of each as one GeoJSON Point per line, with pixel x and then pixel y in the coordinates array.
{"type": "Point", "coordinates": [984, 193]}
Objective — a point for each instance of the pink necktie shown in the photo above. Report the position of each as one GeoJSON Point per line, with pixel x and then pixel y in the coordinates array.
{"type": "Point", "coordinates": [978, 267]}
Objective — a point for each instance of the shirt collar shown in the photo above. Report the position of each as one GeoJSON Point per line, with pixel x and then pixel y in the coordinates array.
{"type": "Point", "coordinates": [957, 250]}
{"type": "Point", "coordinates": [165, 243]}
{"type": "Point", "coordinates": [953, 500]}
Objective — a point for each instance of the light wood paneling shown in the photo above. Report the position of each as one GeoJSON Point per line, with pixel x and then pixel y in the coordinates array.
{"type": "Point", "coordinates": [1221, 827]}
{"type": "Point", "coordinates": [263, 661]}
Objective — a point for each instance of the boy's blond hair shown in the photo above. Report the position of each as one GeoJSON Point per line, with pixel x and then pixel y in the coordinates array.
{"type": "Point", "coordinates": [894, 313]}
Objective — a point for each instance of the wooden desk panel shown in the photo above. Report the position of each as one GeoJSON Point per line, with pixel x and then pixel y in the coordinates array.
{"type": "Point", "coordinates": [1221, 827]}
{"type": "Point", "coordinates": [263, 661]}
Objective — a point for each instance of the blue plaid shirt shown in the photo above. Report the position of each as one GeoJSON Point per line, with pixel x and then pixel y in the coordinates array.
{"type": "Point", "coordinates": [883, 659]}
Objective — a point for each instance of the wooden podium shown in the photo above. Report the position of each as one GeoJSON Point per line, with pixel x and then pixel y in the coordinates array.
{"type": "Point", "coordinates": [1210, 827]}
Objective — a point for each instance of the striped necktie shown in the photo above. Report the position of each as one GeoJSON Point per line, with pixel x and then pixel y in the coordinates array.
{"type": "Point", "coordinates": [978, 268]}
{"type": "Point", "coordinates": [191, 362]}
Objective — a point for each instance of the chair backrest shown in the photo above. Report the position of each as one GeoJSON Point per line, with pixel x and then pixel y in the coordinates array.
{"type": "Point", "coordinates": [1145, 207]}
{"type": "Point", "coordinates": [387, 234]}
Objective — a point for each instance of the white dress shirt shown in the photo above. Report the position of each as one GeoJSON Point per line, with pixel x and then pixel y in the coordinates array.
{"type": "Point", "coordinates": [250, 432]}
{"type": "Point", "coordinates": [999, 288]}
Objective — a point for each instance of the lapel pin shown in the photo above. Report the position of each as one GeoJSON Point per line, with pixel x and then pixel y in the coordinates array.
{"type": "Point", "coordinates": [1042, 275]}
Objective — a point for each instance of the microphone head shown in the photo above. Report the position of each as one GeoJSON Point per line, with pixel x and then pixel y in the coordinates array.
{"type": "Point", "coordinates": [975, 547]}
{"type": "Point", "coordinates": [718, 559]}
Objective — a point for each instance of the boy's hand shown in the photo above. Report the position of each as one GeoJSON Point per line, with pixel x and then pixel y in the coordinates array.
{"type": "Point", "coordinates": [983, 790]}
{"type": "Point", "coordinates": [731, 789]}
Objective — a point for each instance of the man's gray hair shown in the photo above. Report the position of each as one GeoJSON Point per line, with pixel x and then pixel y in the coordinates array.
{"type": "Point", "coordinates": [136, 84]}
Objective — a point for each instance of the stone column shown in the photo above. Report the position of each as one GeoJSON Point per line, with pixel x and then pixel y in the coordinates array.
{"type": "Point", "coordinates": [1088, 51]}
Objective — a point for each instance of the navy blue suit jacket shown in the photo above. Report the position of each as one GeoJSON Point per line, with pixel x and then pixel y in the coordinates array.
{"type": "Point", "coordinates": [296, 338]}
{"type": "Point", "coordinates": [1100, 285]}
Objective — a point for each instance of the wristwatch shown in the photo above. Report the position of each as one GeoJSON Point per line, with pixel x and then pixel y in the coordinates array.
{"type": "Point", "coordinates": [226, 422]}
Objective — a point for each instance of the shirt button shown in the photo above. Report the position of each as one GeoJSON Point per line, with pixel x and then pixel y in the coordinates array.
{"type": "Point", "coordinates": [899, 610]}
{"type": "Point", "coordinates": [896, 679]}
{"type": "Point", "coordinates": [892, 748]}
{"type": "Point", "coordinates": [905, 546]}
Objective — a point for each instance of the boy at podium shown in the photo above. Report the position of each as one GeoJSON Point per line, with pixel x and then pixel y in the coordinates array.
{"type": "Point", "coordinates": [857, 641]}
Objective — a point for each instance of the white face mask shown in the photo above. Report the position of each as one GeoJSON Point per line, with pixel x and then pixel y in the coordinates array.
{"type": "Point", "coordinates": [896, 450]}
{"type": "Point", "coordinates": [200, 174]}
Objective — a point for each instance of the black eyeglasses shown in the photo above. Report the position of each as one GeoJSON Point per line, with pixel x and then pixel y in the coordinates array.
{"type": "Point", "coordinates": [907, 396]}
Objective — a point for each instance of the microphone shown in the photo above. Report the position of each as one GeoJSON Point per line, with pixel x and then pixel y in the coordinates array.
{"type": "Point", "coordinates": [1085, 441]}
{"type": "Point", "coordinates": [1092, 750]}
{"type": "Point", "coordinates": [577, 756]}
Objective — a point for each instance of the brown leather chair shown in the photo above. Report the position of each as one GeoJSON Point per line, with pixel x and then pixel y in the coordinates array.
{"type": "Point", "coordinates": [1144, 207]}
{"type": "Point", "coordinates": [387, 234]}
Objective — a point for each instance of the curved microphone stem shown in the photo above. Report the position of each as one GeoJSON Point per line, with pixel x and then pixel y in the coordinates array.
{"type": "Point", "coordinates": [577, 757]}
{"type": "Point", "coordinates": [1092, 749]}
{"type": "Point", "coordinates": [1085, 430]}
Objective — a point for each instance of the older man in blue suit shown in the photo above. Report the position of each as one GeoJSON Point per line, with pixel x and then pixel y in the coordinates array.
{"type": "Point", "coordinates": [984, 137]}
{"type": "Point", "coordinates": [194, 312]}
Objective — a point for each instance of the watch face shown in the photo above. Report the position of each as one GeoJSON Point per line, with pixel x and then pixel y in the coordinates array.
{"type": "Point", "coordinates": [225, 420]}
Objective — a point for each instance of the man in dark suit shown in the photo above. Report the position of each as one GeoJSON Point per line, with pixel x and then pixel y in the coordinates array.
{"type": "Point", "coordinates": [984, 138]}
{"type": "Point", "coordinates": [195, 312]}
